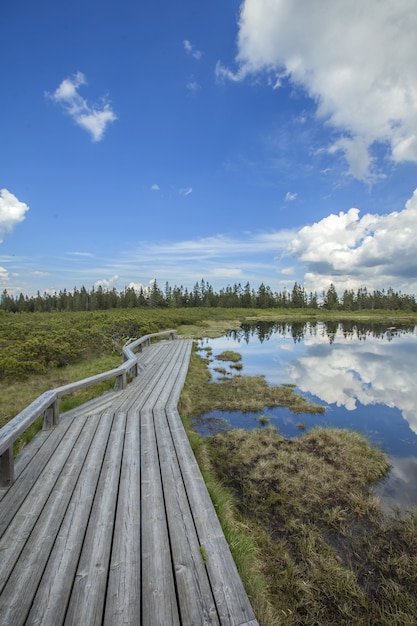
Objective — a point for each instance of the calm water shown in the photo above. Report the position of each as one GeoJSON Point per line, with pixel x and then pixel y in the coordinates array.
{"type": "Point", "coordinates": [365, 376]}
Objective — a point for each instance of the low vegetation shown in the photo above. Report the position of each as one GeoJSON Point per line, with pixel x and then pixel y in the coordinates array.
{"type": "Point", "coordinates": [238, 393]}
{"type": "Point", "coordinates": [307, 533]}
{"type": "Point", "coordinates": [229, 355]}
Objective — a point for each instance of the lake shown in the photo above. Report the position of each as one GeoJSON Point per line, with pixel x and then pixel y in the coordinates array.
{"type": "Point", "coordinates": [365, 376]}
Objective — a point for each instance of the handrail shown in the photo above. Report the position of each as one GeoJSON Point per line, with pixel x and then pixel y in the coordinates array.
{"type": "Point", "coordinates": [47, 403]}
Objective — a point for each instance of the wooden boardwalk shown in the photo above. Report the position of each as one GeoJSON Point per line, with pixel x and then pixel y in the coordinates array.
{"type": "Point", "coordinates": [109, 520]}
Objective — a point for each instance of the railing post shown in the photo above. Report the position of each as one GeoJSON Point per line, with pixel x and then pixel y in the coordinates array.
{"type": "Point", "coordinates": [172, 335]}
{"type": "Point", "coordinates": [7, 468]}
{"type": "Point", "coordinates": [51, 416]}
{"type": "Point", "coordinates": [121, 381]}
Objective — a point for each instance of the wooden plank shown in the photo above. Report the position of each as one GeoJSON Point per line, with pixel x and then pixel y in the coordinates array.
{"type": "Point", "coordinates": [123, 602]}
{"type": "Point", "coordinates": [23, 581]}
{"type": "Point", "coordinates": [22, 524]}
{"type": "Point", "coordinates": [230, 596]}
{"type": "Point", "coordinates": [195, 599]}
{"type": "Point", "coordinates": [87, 599]}
{"type": "Point", "coordinates": [52, 596]}
{"type": "Point", "coordinates": [16, 494]}
{"type": "Point", "coordinates": [159, 602]}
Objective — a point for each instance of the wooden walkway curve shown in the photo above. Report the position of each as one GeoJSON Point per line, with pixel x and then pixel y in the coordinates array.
{"type": "Point", "coordinates": [109, 521]}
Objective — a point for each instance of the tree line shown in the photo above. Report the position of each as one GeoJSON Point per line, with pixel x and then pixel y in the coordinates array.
{"type": "Point", "coordinates": [203, 295]}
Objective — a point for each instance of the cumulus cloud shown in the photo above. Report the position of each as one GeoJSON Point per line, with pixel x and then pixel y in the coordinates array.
{"type": "Point", "coordinates": [355, 59]}
{"type": "Point", "coordinates": [4, 274]}
{"type": "Point", "coordinates": [351, 251]}
{"type": "Point", "coordinates": [191, 50]}
{"type": "Point", "coordinates": [155, 187]}
{"type": "Point", "coordinates": [12, 211]}
{"type": "Point", "coordinates": [94, 119]}
{"type": "Point", "coordinates": [107, 283]}
{"type": "Point", "coordinates": [186, 191]}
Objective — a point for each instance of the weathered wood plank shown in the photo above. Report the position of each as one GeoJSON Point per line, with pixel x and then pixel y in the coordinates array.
{"type": "Point", "coordinates": [17, 493]}
{"type": "Point", "coordinates": [123, 601]}
{"type": "Point", "coordinates": [19, 530]}
{"type": "Point", "coordinates": [195, 599]}
{"type": "Point", "coordinates": [56, 584]}
{"type": "Point", "coordinates": [229, 594]}
{"type": "Point", "coordinates": [86, 603]}
{"type": "Point", "coordinates": [21, 586]}
{"type": "Point", "coordinates": [159, 602]}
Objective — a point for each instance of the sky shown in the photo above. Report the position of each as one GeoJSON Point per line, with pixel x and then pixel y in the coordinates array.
{"type": "Point", "coordinates": [260, 141]}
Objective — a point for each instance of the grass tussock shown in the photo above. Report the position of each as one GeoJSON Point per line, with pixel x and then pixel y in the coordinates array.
{"type": "Point", "coordinates": [237, 393]}
{"type": "Point", "coordinates": [329, 554]}
{"type": "Point", "coordinates": [308, 536]}
{"type": "Point", "coordinates": [229, 355]}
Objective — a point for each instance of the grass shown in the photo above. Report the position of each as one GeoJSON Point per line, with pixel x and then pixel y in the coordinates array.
{"type": "Point", "coordinates": [238, 393]}
{"type": "Point", "coordinates": [307, 533]}
{"type": "Point", "coordinates": [16, 396]}
{"type": "Point", "coordinates": [229, 355]}
{"type": "Point", "coordinates": [330, 556]}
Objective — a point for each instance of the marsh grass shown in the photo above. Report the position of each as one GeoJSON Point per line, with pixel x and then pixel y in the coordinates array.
{"type": "Point", "coordinates": [237, 393]}
{"type": "Point", "coordinates": [308, 535]}
{"type": "Point", "coordinates": [229, 355]}
{"type": "Point", "coordinates": [330, 555]}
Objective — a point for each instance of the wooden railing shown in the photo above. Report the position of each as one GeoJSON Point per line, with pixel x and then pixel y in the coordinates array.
{"type": "Point", "coordinates": [47, 403]}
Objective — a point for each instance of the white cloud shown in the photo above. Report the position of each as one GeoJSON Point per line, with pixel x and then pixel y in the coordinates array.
{"type": "Point", "coordinates": [290, 197]}
{"type": "Point", "coordinates": [186, 191]}
{"type": "Point", "coordinates": [352, 251]}
{"type": "Point", "coordinates": [224, 73]}
{"type": "Point", "coordinates": [12, 211]}
{"type": "Point", "coordinates": [4, 274]}
{"type": "Point", "coordinates": [193, 87]}
{"type": "Point", "coordinates": [136, 286]}
{"type": "Point", "coordinates": [355, 59]}
{"type": "Point", "coordinates": [94, 119]}
{"type": "Point", "coordinates": [155, 187]}
{"type": "Point", "coordinates": [191, 50]}
{"type": "Point", "coordinates": [107, 283]}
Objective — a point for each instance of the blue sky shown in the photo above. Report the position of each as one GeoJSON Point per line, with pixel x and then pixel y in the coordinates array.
{"type": "Point", "coordinates": [265, 141]}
